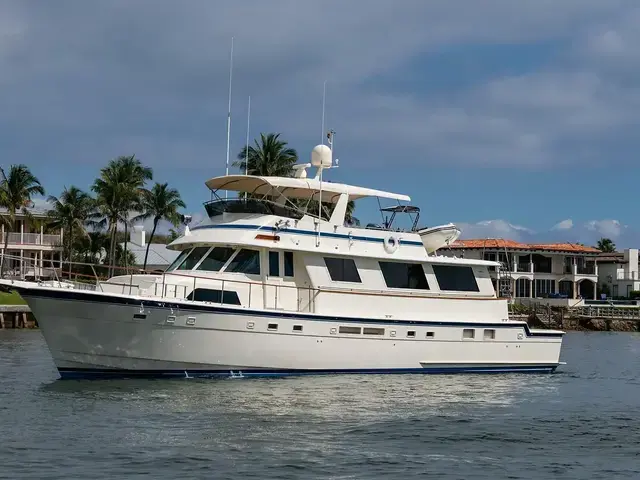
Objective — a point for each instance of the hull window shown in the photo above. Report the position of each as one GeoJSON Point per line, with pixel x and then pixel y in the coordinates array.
{"type": "Point", "coordinates": [272, 326]}
{"type": "Point", "coordinates": [350, 330]}
{"type": "Point", "coordinates": [411, 334]}
{"type": "Point", "coordinates": [274, 264]}
{"type": "Point", "coordinates": [246, 261]}
{"type": "Point", "coordinates": [489, 334]}
{"type": "Point", "coordinates": [373, 331]}
{"type": "Point", "coordinates": [468, 333]}
{"type": "Point", "coordinates": [297, 328]}
{"type": "Point", "coordinates": [214, 296]}
{"type": "Point", "coordinates": [342, 269]}
{"type": "Point", "coordinates": [216, 259]}
{"type": "Point", "coordinates": [288, 264]}
{"type": "Point", "coordinates": [404, 275]}
{"type": "Point", "coordinates": [430, 334]}
{"type": "Point", "coordinates": [459, 279]}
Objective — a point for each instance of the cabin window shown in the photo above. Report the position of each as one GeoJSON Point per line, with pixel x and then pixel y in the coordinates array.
{"type": "Point", "coordinates": [297, 328]}
{"type": "Point", "coordinates": [193, 258]}
{"type": "Point", "coordinates": [216, 259]}
{"type": "Point", "coordinates": [430, 334]}
{"type": "Point", "coordinates": [246, 261]}
{"type": "Point", "coordinates": [489, 334]}
{"type": "Point", "coordinates": [350, 330]}
{"type": "Point", "coordinates": [373, 331]}
{"type": "Point", "coordinates": [404, 275]}
{"type": "Point", "coordinates": [274, 264]}
{"type": "Point", "coordinates": [214, 296]}
{"type": "Point", "coordinates": [272, 326]}
{"type": "Point", "coordinates": [411, 334]}
{"type": "Point", "coordinates": [179, 260]}
{"type": "Point", "coordinates": [288, 264]}
{"type": "Point", "coordinates": [342, 269]}
{"type": "Point", "coordinates": [460, 279]}
{"type": "Point", "coordinates": [468, 333]}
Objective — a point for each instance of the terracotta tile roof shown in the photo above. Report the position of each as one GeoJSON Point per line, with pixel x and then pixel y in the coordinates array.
{"type": "Point", "coordinates": [611, 257]}
{"type": "Point", "coordinates": [493, 243]}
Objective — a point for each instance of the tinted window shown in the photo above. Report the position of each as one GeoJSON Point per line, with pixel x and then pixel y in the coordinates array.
{"type": "Point", "coordinates": [404, 275]}
{"type": "Point", "coordinates": [216, 259]}
{"type": "Point", "coordinates": [209, 295]}
{"type": "Point", "coordinates": [179, 260]}
{"type": "Point", "coordinates": [288, 264]}
{"type": "Point", "coordinates": [274, 264]}
{"type": "Point", "coordinates": [193, 258]}
{"type": "Point", "coordinates": [246, 261]}
{"type": "Point", "coordinates": [342, 269]}
{"type": "Point", "coordinates": [456, 278]}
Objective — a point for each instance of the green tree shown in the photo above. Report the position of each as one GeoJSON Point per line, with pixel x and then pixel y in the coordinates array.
{"type": "Point", "coordinates": [160, 203]}
{"type": "Point", "coordinates": [119, 190]}
{"type": "Point", "coordinates": [173, 234]}
{"type": "Point", "coordinates": [16, 192]}
{"type": "Point", "coordinates": [270, 157]}
{"type": "Point", "coordinates": [71, 212]}
{"type": "Point", "coordinates": [606, 245]}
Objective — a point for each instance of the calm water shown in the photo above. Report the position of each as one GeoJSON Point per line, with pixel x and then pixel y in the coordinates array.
{"type": "Point", "coordinates": [583, 422]}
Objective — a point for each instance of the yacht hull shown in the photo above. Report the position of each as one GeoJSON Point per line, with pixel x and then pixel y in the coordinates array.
{"type": "Point", "coordinates": [93, 335]}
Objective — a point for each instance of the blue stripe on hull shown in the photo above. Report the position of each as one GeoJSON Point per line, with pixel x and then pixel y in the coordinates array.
{"type": "Point", "coordinates": [94, 374]}
{"type": "Point", "coordinates": [301, 232]}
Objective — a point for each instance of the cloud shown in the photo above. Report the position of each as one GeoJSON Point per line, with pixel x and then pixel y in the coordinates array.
{"type": "Point", "coordinates": [563, 225]}
{"type": "Point", "coordinates": [588, 232]}
{"type": "Point", "coordinates": [151, 77]}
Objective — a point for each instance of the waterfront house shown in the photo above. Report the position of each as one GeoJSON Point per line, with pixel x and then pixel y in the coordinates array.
{"type": "Point", "coordinates": [618, 272]}
{"type": "Point", "coordinates": [33, 249]}
{"type": "Point", "coordinates": [559, 272]}
{"type": "Point", "coordinates": [160, 257]}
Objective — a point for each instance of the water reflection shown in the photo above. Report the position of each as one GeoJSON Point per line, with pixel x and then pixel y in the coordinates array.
{"type": "Point", "coordinates": [324, 397]}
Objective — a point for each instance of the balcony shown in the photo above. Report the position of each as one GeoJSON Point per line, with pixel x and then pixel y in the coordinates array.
{"type": "Point", "coordinates": [586, 269]}
{"type": "Point", "coordinates": [622, 274]}
{"type": "Point", "coordinates": [32, 239]}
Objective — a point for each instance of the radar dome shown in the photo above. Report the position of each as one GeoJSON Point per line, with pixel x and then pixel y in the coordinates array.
{"type": "Point", "coordinates": [321, 156]}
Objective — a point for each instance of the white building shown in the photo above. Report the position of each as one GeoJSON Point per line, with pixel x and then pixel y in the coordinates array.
{"type": "Point", "coordinates": [160, 257]}
{"type": "Point", "coordinates": [31, 253]}
{"type": "Point", "coordinates": [618, 272]}
{"type": "Point", "coordinates": [552, 271]}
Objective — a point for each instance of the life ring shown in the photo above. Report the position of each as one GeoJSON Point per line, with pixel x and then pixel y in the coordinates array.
{"type": "Point", "coordinates": [391, 243]}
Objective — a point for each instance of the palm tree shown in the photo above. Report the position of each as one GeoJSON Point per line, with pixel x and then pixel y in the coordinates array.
{"type": "Point", "coordinates": [269, 158]}
{"type": "Point", "coordinates": [137, 175]}
{"type": "Point", "coordinates": [160, 203]}
{"type": "Point", "coordinates": [349, 219]}
{"type": "Point", "coordinates": [71, 212]}
{"type": "Point", "coordinates": [119, 190]}
{"type": "Point", "coordinates": [606, 245]}
{"type": "Point", "coordinates": [16, 191]}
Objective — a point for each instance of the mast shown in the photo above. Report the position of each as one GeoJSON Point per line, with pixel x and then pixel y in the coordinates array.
{"type": "Point", "coordinates": [324, 96]}
{"type": "Point", "coordinates": [246, 155]}
{"type": "Point", "coordinates": [229, 113]}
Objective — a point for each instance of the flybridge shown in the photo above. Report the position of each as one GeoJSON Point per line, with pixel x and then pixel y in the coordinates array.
{"type": "Point", "coordinates": [305, 188]}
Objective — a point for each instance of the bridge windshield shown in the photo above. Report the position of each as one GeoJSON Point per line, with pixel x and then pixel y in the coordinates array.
{"type": "Point", "coordinates": [251, 205]}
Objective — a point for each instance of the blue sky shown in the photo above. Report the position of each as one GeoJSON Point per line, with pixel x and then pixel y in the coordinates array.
{"type": "Point", "coordinates": [512, 119]}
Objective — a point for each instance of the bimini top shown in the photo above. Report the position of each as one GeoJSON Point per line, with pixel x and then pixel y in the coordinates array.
{"type": "Point", "coordinates": [292, 187]}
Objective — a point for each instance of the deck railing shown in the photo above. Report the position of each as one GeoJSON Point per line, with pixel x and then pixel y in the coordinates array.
{"type": "Point", "coordinates": [15, 238]}
{"type": "Point", "coordinates": [179, 286]}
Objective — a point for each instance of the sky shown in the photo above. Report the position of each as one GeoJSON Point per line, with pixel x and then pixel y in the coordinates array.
{"type": "Point", "coordinates": [511, 119]}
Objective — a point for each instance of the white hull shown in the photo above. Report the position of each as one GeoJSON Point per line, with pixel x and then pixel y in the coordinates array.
{"type": "Point", "coordinates": [110, 337]}
{"type": "Point", "coordinates": [437, 237]}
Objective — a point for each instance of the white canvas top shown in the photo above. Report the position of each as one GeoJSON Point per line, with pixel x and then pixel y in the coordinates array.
{"type": "Point", "coordinates": [296, 187]}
